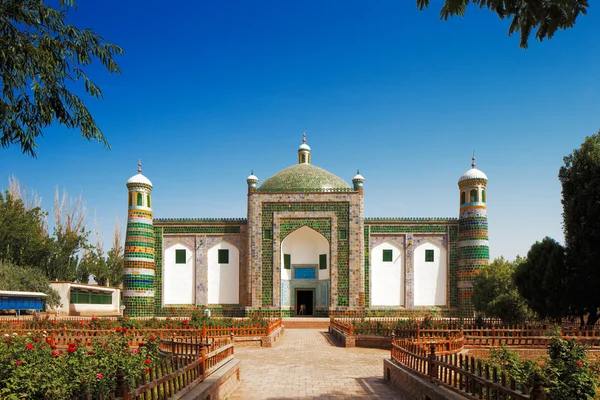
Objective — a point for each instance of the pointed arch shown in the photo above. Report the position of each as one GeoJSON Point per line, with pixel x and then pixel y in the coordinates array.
{"type": "Point", "coordinates": [387, 275]}
{"type": "Point", "coordinates": [430, 274]}
{"type": "Point", "coordinates": [223, 260]}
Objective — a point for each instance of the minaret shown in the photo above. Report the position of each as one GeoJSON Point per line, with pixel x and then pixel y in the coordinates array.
{"type": "Point", "coordinates": [138, 285]}
{"type": "Point", "coordinates": [304, 151]}
{"type": "Point", "coordinates": [358, 182]}
{"type": "Point", "coordinates": [473, 243]}
{"type": "Point", "coordinates": [252, 182]}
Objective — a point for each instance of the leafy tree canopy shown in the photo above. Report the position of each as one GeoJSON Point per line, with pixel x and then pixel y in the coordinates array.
{"type": "Point", "coordinates": [547, 16]}
{"type": "Point", "coordinates": [541, 280]}
{"type": "Point", "coordinates": [495, 294]}
{"type": "Point", "coordinates": [27, 279]}
{"type": "Point", "coordinates": [580, 179]}
{"type": "Point", "coordinates": [41, 56]}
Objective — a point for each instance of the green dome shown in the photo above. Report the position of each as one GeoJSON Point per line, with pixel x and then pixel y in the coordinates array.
{"type": "Point", "coordinates": [303, 178]}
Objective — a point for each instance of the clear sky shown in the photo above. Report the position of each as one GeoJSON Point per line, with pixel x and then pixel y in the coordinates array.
{"type": "Point", "coordinates": [212, 90]}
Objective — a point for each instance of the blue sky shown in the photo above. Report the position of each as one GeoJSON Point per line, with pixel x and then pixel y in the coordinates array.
{"type": "Point", "coordinates": [212, 90]}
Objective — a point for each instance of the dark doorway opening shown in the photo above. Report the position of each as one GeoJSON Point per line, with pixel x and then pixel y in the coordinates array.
{"type": "Point", "coordinates": [305, 299]}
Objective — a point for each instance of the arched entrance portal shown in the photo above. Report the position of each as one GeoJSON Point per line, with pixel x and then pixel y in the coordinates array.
{"type": "Point", "coordinates": [305, 272]}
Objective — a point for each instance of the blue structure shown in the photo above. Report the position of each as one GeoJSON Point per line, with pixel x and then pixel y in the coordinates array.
{"type": "Point", "coordinates": [18, 301]}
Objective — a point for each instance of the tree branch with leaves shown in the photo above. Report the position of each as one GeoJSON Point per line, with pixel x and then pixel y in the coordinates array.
{"type": "Point", "coordinates": [41, 57]}
{"type": "Point", "coordinates": [544, 16]}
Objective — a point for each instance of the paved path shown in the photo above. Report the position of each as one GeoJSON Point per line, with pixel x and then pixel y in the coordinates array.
{"type": "Point", "coordinates": [303, 364]}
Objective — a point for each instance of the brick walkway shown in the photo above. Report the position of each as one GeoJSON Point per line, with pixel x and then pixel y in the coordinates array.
{"type": "Point", "coordinates": [303, 364]}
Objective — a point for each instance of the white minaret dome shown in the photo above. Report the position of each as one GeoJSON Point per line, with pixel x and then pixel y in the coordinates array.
{"type": "Point", "coordinates": [140, 179]}
{"type": "Point", "coordinates": [358, 176]}
{"type": "Point", "coordinates": [252, 177]}
{"type": "Point", "coordinates": [304, 147]}
{"type": "Point", "coordinates": [473, 173]}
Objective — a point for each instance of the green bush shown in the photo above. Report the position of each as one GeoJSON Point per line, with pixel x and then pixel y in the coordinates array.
{"type": "Point", "coordinates": [32, 368]}
{"type": "Point", "coordinates": [568, 373]}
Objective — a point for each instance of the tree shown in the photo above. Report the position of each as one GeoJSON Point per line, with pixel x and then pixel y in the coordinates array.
{"type": "Point", "coordinates": [27, 279]}
{"type": "Point", "coordinates": [23, 238]}
{"type": "Point", "coordinates": [41, 55]}
{"type": "Point", "coordinates": [495, 294]}
{"type": "Point", "coordinates": [580, 180]}
{"type": "Point", "coordinates": [70, 234]}
{"type": "Point", "coordinates": [541, 280]}
{"type": "Point", "coordinates": [547, 16]}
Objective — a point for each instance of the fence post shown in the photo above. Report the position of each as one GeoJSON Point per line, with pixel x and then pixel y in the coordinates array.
{"type": "Point", "coordinates": [432, 366]}
{"type": "Point", "coordinates": [173, 345]}
{"type": "Point", "coordinates": [121, 389]}
{"type": "Point", "coordinates": [537, 392]}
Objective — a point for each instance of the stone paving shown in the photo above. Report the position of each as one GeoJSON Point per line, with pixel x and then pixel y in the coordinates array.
{"type": "Point", "coordinates": [304, 364]}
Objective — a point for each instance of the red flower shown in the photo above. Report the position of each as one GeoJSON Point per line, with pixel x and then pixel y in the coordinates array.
{"type": "Point", "coordinates": [91, 352]}
{"type": "Point", "coordinates": [118, 330]}
{"type": "Point", "coordinates": [54, 353]}
{"type": "Point", "coordinates": [53, 347]}
{"type": "Point", "coordinates": [185, 321]}
{"type": "Point", "coordinates": [29, 346]}
{"type": "Point", "coordinates": [94, 318]}
{"type": "Point", "coordinates": [147, 370]}
{"type": "Point", "coordinates": [48, 340]}
{"type": "Point", "coordinates": [124, 330]}
{"type": "Point", "coordinates": [18, 362]}
{"type": "Point", "coordinates": [135, 351]}
{"type": "Point", "coordinates": [152, 338]}
{"type": "Point", "coordinates": [60, 352]}
{"type": "Point", "coordinates": [71, 349]}
{"type": "Point", "coordinates": [99, 375]}
{"type": "Point", "coordinates": [35, 339]}
{"type": "Point", "coordinates": [579, 363]}
{"type": "Point", "coordinates": [108, 350]}
{"type": "Point", "coordinates": [148, 361]}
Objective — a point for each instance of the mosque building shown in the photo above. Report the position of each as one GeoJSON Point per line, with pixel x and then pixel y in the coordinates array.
{"type": "Point", "coordinates": [305, 248]}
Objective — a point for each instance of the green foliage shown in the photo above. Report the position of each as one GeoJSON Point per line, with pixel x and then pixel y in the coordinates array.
{"type": "Point", "coordinates": [495, 294]}
{"type": "Point", "coordinates": [546, 16]}
{"type": "Point", "coordinates": [41, 56]}
{"type": "Point", "coordinates": [567, 372]}
{"type": "Point", "coordinates": [580, 179]}
{"type": "Point", "coordinates": [541, 280]}
{"type": "Point", "coordinates": [32, 368]}
{"type": "Point", "coordinates": [508, 361]}
{"type": "Point", "coordinates": [27, 279]}
{"type": "Point", "coordinates": [23, 240]}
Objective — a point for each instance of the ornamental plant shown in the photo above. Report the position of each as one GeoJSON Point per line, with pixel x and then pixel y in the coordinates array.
{"type": "Point", "coordinates": [568, 371]}
{"type": "Point", "coordinates": [32, 368]}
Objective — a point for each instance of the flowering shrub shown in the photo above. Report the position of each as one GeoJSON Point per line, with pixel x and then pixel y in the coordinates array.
{"type": "Point", "coordinates": [32, 368]}
{"type": "Point", "coordinates": [568, 373]}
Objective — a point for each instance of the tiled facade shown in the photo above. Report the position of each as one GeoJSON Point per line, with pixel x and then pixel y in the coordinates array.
{"type": "Point", "coordinates": [303, 196]}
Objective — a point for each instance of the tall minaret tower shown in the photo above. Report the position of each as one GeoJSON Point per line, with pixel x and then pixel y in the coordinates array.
{"type": "Point", "coordinates": [473, 243]}
{"type": "Point", "coordinates": [138, 285]}
{"type": "Point", "coordinates": [304, 151]}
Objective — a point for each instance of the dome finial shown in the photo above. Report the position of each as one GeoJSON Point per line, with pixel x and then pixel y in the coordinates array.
{"type": "Point", "coordinates": [139, 165]}
{"type": "Point", "coordinates": [303, 137]}
{"type": "Point", "coordinates": [473, 160]}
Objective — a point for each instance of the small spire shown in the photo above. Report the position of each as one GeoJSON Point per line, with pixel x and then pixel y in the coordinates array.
{"type": "Point", "coordinates": [139, 165]}
{"type": "Point", "coordinates": [357, 172]}
{"type": "Point", "coordinates": [473, 160]}
{"type": "Point", "coordinates": [303, 137]}
{"type": "Point", "coordinates": [251, 172]}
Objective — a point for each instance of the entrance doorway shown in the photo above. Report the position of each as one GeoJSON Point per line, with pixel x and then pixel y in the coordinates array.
{"type": "Point", "coordinates": [306, 298]}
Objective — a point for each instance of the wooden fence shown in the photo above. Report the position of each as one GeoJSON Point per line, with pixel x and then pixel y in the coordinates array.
{"type": "Point", "coordinates": [464, 375]}
{"type": "Point", "coordinates": [533, 336]}
{"type": "Point", "coordinates": [64, 336]}
{"type": "Point", "coordinates": [189, 362]}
